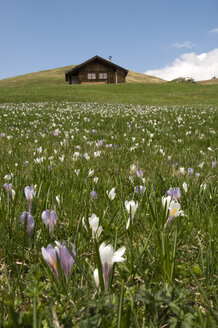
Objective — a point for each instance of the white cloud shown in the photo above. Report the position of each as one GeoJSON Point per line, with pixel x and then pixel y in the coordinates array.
{"type": "Point", "coordinates": [185, 44]}
{"type": "Point", "coordinates": [214, 30]}
{"type": "Point", "coordinates": [201, 67]}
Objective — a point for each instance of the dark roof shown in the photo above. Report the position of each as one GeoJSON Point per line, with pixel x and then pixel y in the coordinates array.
{"type": "Point", "coordinates": [104, 61]}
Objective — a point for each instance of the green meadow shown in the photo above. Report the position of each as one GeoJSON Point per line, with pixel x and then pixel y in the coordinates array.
{"type": "Point", "coordinates": [108, 204]}
{"type": "Point", "coordinates": [169, 93]}
{"type": "Point", "coordinates": [140, 89]}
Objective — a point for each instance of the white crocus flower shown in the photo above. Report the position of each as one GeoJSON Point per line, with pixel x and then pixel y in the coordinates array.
{"type": "Point", "coordinates": [182, 170]}
{"type": "Point", "coordinates": [111, 194]}
{"type": "Point", "coordinates": [91, 172]}
{"type": "Point", "coordinates": [166, 202]}
{"type": "Point", "coordinates": [108, 258]}
{"type": "Point", "coordinates": [58, 200]}
{"type": "Point", "coordinates": [132, 168]}
{"type": "Point", "coordinates": [174, 209]}
{"type": "Point", "coordinates": [96, 277]}
{"type": "Point", "coordinates": [131, 208]}
{"type": "Point", "coordinates": [185, 186]}
{"type": "Point", "coordinates": [84, 224]}
{"type": "Point", "coordinates": [94, 225]}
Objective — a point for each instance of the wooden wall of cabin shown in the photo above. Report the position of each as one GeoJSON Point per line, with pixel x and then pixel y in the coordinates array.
{"type": "Point", "coordinates": [96, 67]}
{"type": "Point", "coordinates": [121, 76]}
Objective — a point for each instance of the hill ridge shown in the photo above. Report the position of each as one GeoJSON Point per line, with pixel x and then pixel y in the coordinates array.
{"type": "Point", "coordinates": [57, 76]}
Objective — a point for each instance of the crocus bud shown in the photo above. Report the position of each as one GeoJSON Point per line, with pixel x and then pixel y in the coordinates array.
{"type": "Point", "coordinates": [26, 216]}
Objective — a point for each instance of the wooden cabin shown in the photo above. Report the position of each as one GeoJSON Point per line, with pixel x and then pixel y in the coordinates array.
{"type": "Point", "coordinates": [96, 70]}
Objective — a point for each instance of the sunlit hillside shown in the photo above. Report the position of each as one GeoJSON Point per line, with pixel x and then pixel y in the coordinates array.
{"type": "Point", "coordinates": [209, 82]}
{"type": "Point", "coordinates": [57, 76]}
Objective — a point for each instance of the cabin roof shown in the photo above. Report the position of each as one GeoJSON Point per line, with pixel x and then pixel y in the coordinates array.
{"type": "Point", "coordinates": [104, 61]}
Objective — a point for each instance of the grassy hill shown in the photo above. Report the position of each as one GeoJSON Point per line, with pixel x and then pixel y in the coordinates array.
{"type": "Point", "coordinates": [50, 85]}
{"type": "Point", "coordinates": [209, 82]}
{"type": "Point", "coordinates": [56, 76]}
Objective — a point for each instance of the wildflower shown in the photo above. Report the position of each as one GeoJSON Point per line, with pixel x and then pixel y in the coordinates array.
{"type": "Point", "coordinates": [8, 189]}
{"type": "Point", "coordinates": [174, 209]}
{"type": "Point", "coordinates": [97, 153]}
{"type": "Point", "coordinates": [95, 179]}
{"type": "Point", "coordinates": [175, 193]}
{"type": "Point", "coordinates": [96, 277]}
{"type": "Point", "coordinates": [213, 164]}
{"type": "Point", "coordinates": [87, 157]}
{"type": "Point", "coordinates": [132, 169]}
{"type": "Point", "coordinates": [51, 254]}
{"type": "Point", "coordinates": [190, 171]}
{"type": "Point", "coordinates": [58, 200]}
{"type": "Point", "coordinates": [50, 219]}
{"type": "Point", "coordinates": [66, 259]}
{"type": "Point", "coordinates": [111, 194]}
{"type": "Point", "coordinates": [94, 225]}
{"type": "Point", "coordinates": [99, 143]}
{"type": "Point", "coordinates": [77, 172]}
{"type": "Point", "coordinates": [30, 194]}
{"type": "Point", "coordinates": [108, 258]}
{"type": "Point", "coordinates": [30, 222]}
{"type": "Point", "coordinates": [185, 186]}
{"type": "Point", "coordinates": [182, 170]}
{"type": "Point", "coordinates": [140, 189]}
{"type": "Point", "coordinates": [203, 186]}
{"type": "Point", "coordinates": [8, 177]}
{"type": "Point", "coordinates": [93, 194]}
{"type": "Point", "coordinates": [131, 208]}
{"type": "Point", "coordinates": [166, 202]}
{"type": "Point", "coordinates": [139, 173]}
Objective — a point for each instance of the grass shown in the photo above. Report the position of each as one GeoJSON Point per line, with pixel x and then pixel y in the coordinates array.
{"type": "Point", "coordinates": [73, 144]}
{"type": "Point", "coordinates": [141, 89]}
{"type": "Point", "coordinates": [149, 94]}
{"type": "Point", "coordinates": [67, 150]}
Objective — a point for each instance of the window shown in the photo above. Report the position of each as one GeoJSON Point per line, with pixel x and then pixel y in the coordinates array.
{"type": "Point", "coordinates": [102, 76]}
{"type": "Point", "coordinates": [91, 76]}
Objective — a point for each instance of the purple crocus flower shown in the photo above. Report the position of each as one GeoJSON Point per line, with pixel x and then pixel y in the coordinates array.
{"type": "Point", "coordinates": [197, 175]}
{"type": "Point", "coordinates": [25, 163]}
{"type": "Point", "coordinates": [30, 222]}
{"type": "Point", "coordinates": [100, 142]}
{"type": "Point", "coordinates": [30, 194]}
{"type": "Point", "coordinates": [66, 259]}
{"type": "Point", "coordinates": [49, 218]}
{"type": "Point", "coordinates": [190, 171]}
{"type": "Point", "coordinates": [51, 254]}
{"type": "Point", "coordinates": [140, 189]}
{"type": "Point", "coordinates": [139, 173]}
{"type": "Point", "coordinates": [93, 194]}
{"type": "Point", "coordinates": [170, 192]}
{"type": "Point", "coordinates": [213, 164]}
{"type": "Point", "coordinates": [8, 188]}
{"type": "Point", "coordinates": [175, 193]}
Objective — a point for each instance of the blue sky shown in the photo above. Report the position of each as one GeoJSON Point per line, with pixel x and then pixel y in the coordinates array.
{"type": "Point", "coordinates": [153, 36]}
